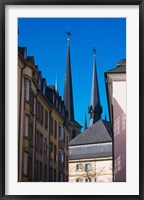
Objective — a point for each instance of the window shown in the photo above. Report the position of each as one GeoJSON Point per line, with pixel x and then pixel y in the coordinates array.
{"type": "Point", "coordinates": [61, 133]}
{"type": "Point", "coordinates": [41, 143]}
{"type": "Point", "coordinates": [45, 146]}
{"type": "Point", "coordinates": [88, 180]}
{"type": "Point", "coordinates": [67, 162]}
{"type": "Point", "coordinates": [25, 163]}
{"type": "Point", "coordinates": [46, 119]}
{"type": "Point", "coordinates": [51, 151]}
{"type": "Point", "coordinates": [44, 88]}
{"type": "Point", "coordinates": [56, 103]}
{"type": "Point", "coordinates": [37, 140]}
{"type": "Point", "coordinates": [31, 134]}
{"type": "Point", "coordinates": [53, 98]}
{"type": "Point", "coordinates": [26, 129]}
{"type": "Point", "coordinates": [40, 171]}
{"type": "Point", "coordinates": [61, 156]}
{"type": "Point", "coordinates": [88, 166]}
{"type": "Point", "coordinates": [55, 153]}
{"type": "Point", "coordinates": [27, 90]}
{"type": "Point", "coordinates": [79, 167]}
{"type": "Point", "coordinates": [55, 133]}
{"type": "Point", "coordinates": [61, 176]}
{"type": "Point", "coordinates": [51, 125]}
{"type": "Point", "coordinates": [38, 110]}
{"type": "Point", "coordinates": [51, 173]}
{"type": "Point", "coordinates": [41, 113]}
{"type": "Point", "coordinates": [78, 180]}
{"type": "Point", "coordinates": [36, 171]}
{"type": "Point", "coordinates": [55, 175]}
{"type": "Point", "coordinates": [32, 100]}
{"type": "Point", "coordinates": [30, 166]}
{"type": "Point", "coordinates": [45, 172]}
{"type": "Point", "coordinates": [60, 108]}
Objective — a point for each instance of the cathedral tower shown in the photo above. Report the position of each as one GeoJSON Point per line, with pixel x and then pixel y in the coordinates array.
{"type": "Point", "coordinates": [68, 92]}
{"type": "Point", "coordinates": [74, 127]}
{"type": "Point", "coordinates": [95, 109]}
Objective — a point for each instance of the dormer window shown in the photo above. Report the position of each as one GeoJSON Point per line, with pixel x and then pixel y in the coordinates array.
{"type": "Point", "coordinates": [39, 83]}
{"type": "Point", "coordinates": [60, 107]}
{"type": "Point", "coordinates": [53, 98]}
{"type": "Point", "coordinates": [56, 103]}
{"type": "Point", "coordinates": [44, 88]}
{"type": "Point", "coordinates": [36, 75]}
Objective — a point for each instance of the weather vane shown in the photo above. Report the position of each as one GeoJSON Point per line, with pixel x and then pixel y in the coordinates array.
{"type": "Point", "coordinates": [94, 50]}
{"type": "Point", "coordinates": [68, 33]}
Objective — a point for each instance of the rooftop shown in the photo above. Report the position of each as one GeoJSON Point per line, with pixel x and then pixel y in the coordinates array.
{"type": "Point", "coordinates": [100, 132]}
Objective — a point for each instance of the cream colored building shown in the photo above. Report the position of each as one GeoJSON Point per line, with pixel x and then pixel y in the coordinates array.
{"type": "Point", "coordinates": [90, 155]}
{"type": "Point", "coordinates": [42, 134]}
{"type": "Point", "coordinates": [116, 93]}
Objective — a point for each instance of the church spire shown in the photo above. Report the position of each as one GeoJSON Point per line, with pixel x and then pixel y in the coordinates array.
{"type": "Point", "coordinates": [56, 85]}
{"type": "Point", "coordinates": [95, 108]}
{"type": "Point", "coordinates": [68, 92]}
{"type": "Point", "coordinates": [85, 123]}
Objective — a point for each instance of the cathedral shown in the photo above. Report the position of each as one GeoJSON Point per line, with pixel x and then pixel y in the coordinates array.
{"type": "Point", "coordinates": [73, 125]}
{"type": "Point", "coordinates": [90, 153]}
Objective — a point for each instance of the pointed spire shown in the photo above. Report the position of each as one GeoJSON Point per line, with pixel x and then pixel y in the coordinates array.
{"type": "Point", "coordinates": [68, 92]}
{"type": "Point", "coordinates": [56, 85]}
{"type": "Point", "coordinates": [85, 123]}
{"type": "Point", "coordinates": [95, 108]}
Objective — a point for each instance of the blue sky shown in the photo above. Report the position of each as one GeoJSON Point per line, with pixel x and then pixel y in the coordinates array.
{"type": "Point", "coordinates": [46, 40]}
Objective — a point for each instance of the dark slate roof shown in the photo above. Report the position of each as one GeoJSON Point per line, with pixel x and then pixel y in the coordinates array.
{"type": "Point", "coordinates": [90, 151]}
{"type": "Point", "coordinates": [100, 132]}
{"type": "Point", "coordinates": [120, 68]}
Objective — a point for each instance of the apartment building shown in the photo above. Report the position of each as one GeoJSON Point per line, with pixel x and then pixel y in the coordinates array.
{"type": "Point", "coordinates": [42, 132]}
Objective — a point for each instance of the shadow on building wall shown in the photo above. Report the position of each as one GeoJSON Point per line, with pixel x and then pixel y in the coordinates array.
{"type": "Point", "coordinates": [119, 129]}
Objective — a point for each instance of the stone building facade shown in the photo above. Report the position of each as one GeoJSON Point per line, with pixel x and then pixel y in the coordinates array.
{"type": "Point", "coordinates": [43, 136]}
